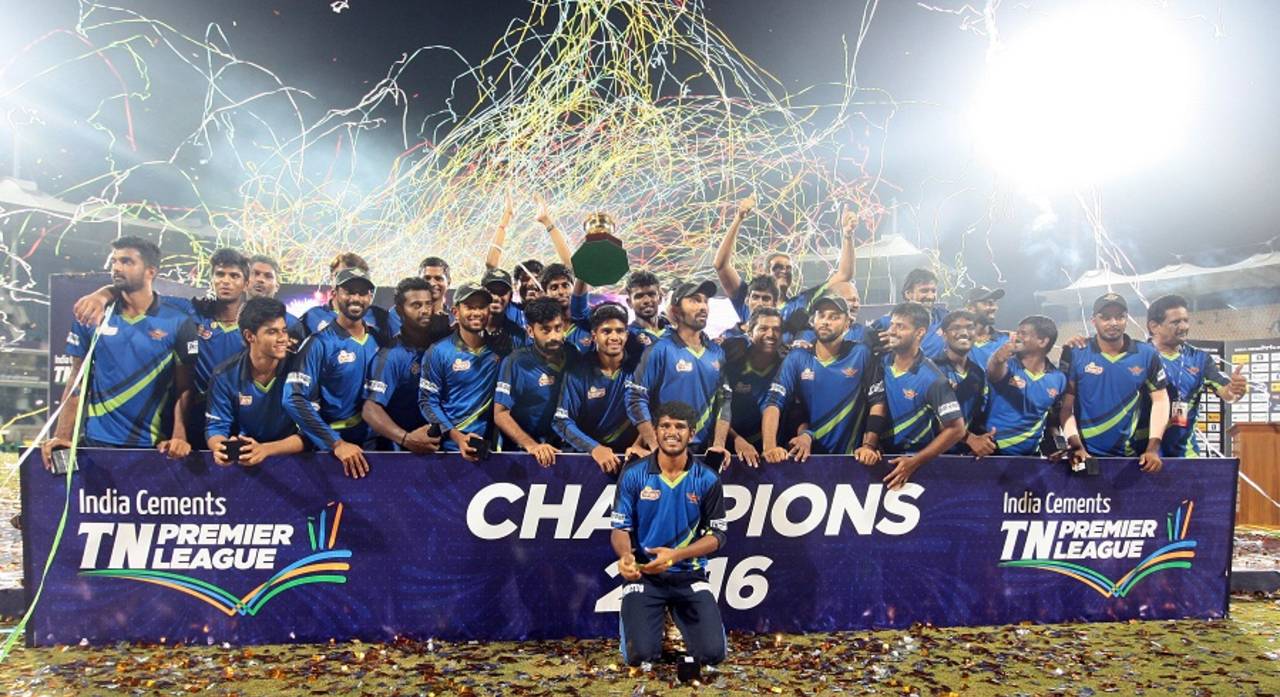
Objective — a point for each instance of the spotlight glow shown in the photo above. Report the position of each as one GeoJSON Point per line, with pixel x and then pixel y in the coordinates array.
{"type": "Point", "coordinates": [1096, 92]}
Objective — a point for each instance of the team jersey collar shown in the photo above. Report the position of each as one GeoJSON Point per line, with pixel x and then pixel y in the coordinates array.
{"type": "Point", "coordinates": [152, 310]}
{"type": "Point", "coordinates": [343, 333]}
{"type": "Point", "coordinates": [969, 364]}
{"type": "Point", "coordinates": [246, 367]}
{"type": "Point", "coordinates": [654, 468]}
{"type": "Point", "coordinates": [915, 364]}
{"type": "Point", "coordinates": [675, 338]}
{"type": "Point", "coordinates": [663, 325]}
{"type": "Point", "coordinates": [1129, 345]}
{"type": "Point", "coordinates": [461, 345]}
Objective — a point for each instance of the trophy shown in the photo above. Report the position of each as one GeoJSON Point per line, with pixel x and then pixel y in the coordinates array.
{"type": "Point", "coordinates": [601, 260]}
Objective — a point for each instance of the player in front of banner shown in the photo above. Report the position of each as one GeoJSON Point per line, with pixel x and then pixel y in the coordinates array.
{"type": "Point", "coordinates": [668, 516]}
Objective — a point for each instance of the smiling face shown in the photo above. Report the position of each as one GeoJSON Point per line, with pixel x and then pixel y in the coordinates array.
{"type": "Point", "coordinates": [610, 338]}
{"type": "Point", "coordinates": [473, 313]}
{"type": "Point", "coordinates": [1110, 323]}
{"type": "Point", "coordinates": [767, 334]}
{"type": "Point", "coordinates": [501, 293]}
{"type": "Point", "coordinates": [959, 335]}
{"type": "Point", "coordinates": [673, 435]}
{"type": "Point", "coordinates": [779, 266]}
{"type": "Point", "coordinates": [925, 293]}
{"type": "Point", "coordinates": [352, 299]}
{"type": "Point", "coordinates": [270, 341]}
{"type": "Point", "coordinates": [904, 336]}
{"type": "Point", "coordinates": [438, 279]}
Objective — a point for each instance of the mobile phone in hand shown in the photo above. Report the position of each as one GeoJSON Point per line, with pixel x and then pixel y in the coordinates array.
{"type": "Point", "coordinates": [480, 444]}
{"type": "Point", "coordinates": [60, 459]}
{"type": "Point", "coordinates": [232, 448]}
{"type": "Point", "coordinates": [714, 459]}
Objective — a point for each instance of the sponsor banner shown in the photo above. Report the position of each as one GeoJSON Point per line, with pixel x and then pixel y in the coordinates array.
{"type": "Point", "coordinates": [437, 547]}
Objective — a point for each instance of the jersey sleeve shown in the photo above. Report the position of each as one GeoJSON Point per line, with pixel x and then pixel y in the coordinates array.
{"type": "Point", "coordinates": [1156, 378]}
{"type": "Point", "coordinates": [942, 399]}
{"type": "Point", "coordinates": [624, 499]}
{"type": "Point", "coordinates": [430, 401]}
{"type": "Point", "coordinates": [187, 344]}
{"type": "Point", "coordinates": [507, 374]}
{"type": "Point", "coordinates": [78, 340]}
{"type": "Point", "coordinates": [565, 421]}
{"type": "Point", "coordinates": [711, 513]}
{"type": "Point", "coordinates": [220, 410]}
{"type": "Point", "coordinates": [1065, 364]}
{"type": "Point", "coordinates": [1213, 377]}
{"type": "Point", "coordinates": [784, 382]}
{"type": "Point", "coordinates": [579, 307]}
{"type": "Point", "coordinates": [384, 377]}
{"type": "Point", "coordinates": [875, 382]}
{"type": "Point", "coordinates": [646, 377]}
{"type": "Point", "coordinates": [739, 301]}
{"type": "Point", "coordinates": [301, 387]}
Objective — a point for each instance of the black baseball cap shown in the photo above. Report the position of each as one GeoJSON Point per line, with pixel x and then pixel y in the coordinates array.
{"type": "Point", "coordinates": [841, 304]}
{"type": "Point", "coordinates": [466, 290]}
{"type": "Point", "coordinates": [982, 293]}
{"type": "Point", "coordinates": [352, 276]}
{"type": "Point", "coordinates": [688, 287]}
{"type": "Point", "coordinates": [497, 276]}
{"type": "Point", "coordinates": [1108, 300]}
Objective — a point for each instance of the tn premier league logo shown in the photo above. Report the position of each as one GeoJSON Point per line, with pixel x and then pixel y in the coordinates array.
{"type": "Point", "coordinates": [1073, 547]}
{"type": "Point", "coordinates": [166, 554]}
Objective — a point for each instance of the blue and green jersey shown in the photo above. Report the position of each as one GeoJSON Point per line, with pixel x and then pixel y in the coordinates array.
{"type": "Point", "coordinates": [1108, 392]}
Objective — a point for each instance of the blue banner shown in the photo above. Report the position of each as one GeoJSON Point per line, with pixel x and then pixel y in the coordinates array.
{"type": "Point", "coordinates": [432, 546]}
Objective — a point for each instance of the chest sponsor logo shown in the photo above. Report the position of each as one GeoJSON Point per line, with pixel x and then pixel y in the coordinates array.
{"type": "Point", "coordinates": [806, 374]}
{"type": "Point", "coordinates": [246, 400]}
{"type": "Point", "coordinates": [1093, 368]}
{"type": "Point", "coordinates": [109, 330]}
{"type": "Point", "coordinates": [346, 357]}
{"type": "Point", "coordinates": [742, 388]}
{"type": "Point", "coordinates": [649, 494]}
{"type": "Point", "coordinates": [909, 394]}
{"type": "Point", "coordinates": [545, 380]}
{"type": "Point", "coordinates": [157, 334]}
{"type": "Point", "coordinates": [595, 392]}
{"type": "Point", "coordinates": [461, 364]}
{"type": "Point", "coordinates": [683, 366]}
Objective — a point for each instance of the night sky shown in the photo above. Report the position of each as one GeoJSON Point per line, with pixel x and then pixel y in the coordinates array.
{"type": "Point", "coordinates": [1213, 201]}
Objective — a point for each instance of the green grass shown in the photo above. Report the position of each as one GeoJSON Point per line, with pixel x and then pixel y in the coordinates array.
{"type": "Point", "coordinates": [1240, 655]}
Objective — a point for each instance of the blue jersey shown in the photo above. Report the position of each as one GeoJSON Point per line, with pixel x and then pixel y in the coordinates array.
{"type": "Point", "coordinates": [324, 391]}
{"type": "Point", "coordinates": [982, 351]}
{"type": "Point", "coordinates": [750, 388]}
{"type": "Point", "coordinates": [1108, 391]}
{"type": "Point", "coordinates": [457, 387]}
{"type": "Point", "coordinates": [510, 335]}
{"type": "Point", "coordinates": [130, 395]}
{"type": "Point", "coordinates": [1190, 372]}
{"type": "Point", "coordinates": [1020, 405]}
{"type": "Point", "coordinates": [239, 405]}
{"type": "Point", "coordinates": [642, 336]}
{"type": "Point", "coordinates": [802, 300]}
{"type": "Point", "coordinates": [833, 394]}
{"type": "Point", "coordinates": [529, 387]}
{"type": "Point", "coordinates": [394, 381]}
{"type": "Point", "coordinates": [592, 409]}
{"type": "Point", "coordinates": [204, 343]}
{"type": "Point", "coordinates": [920, 402]}
{"type": "Point", "coordinates": [969, 382]}
{"type": "Point", "coordinates": [933, 342]}
{"type": "Point", "coordinates": [672, 513]}
{"type": "Point", "coordinates": [670, 370]}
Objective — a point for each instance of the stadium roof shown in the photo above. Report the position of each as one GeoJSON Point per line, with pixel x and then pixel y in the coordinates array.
{"type": "Point", "coordinates": [1258, 271]}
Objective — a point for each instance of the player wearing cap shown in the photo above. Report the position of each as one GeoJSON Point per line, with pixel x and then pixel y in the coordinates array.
{"type": "Point", "coordinates": [324, 391]}
{"type": "Point", "coordinates": [391, 390]}
{"type": "Point", "coordinates": [684, 366]}
{"type": "Point", "coordinates": [505, 331]}
{"type": "Point", "coordinates": [592, 414]}
{"type": "Point", "coordinates": [1190, 372]}
{"type": "Point", "coordinates": [134, 372]}
{"type": "Point", "coordinates": [984, 303]}
{"type": "Point", "coordinates": [1025, 387]}
{"type": "Point", "coordinates": [381, 323]}
{"type": "Point", "coordinates": [751, 366]}
{"type": "Point", "coordinates": [460, 374]}
{"type": "Point", "coordinates": [923, 419]}
{"type": "Point", "coordinates": [1105, 383]}
{"type": "Point", "coordinates": [831, 381]}
{"type": "Point", "coordinates": [968, 380]}
{"type": "Point", "coordinates": [805, 337]}
{"type": "Point", "coordinates": [246, 392]}
{"type": "Point", "coordinates": [668, 517]}
{"type": "Point", "coordinates": [529, 381]}
{"type": "Point", "coordinates": [921, 287]}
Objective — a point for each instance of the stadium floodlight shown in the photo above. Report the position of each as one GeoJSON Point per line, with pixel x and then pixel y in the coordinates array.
{"type": "Point", "coordinates": [1098, 91]}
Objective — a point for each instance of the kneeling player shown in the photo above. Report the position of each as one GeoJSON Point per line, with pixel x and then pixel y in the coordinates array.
{"type": "Point", "coordinates": [669, 499]}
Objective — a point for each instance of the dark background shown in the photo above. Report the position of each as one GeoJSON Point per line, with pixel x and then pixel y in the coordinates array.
{"type": "Point", "coordinates": [1213, 202]}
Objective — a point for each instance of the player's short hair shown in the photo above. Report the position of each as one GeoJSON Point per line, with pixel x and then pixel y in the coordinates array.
{"type": "Point", "coordinates": [529, 268]}
{"type": "Point", "coordinates": [917, 277]}
{"type": "Point", "coordinates": [259, 311]}
{"type": "Point", "coordinates": [406, 285]}
{"type": "Point", "coordinates": [678, 411]}
{"type": "Point", "coordinates": [148, 250]}
{"type": "Point", "coordinates": [642, 279]}
{"type": "Point", "coordinates": [554, 271]}
{"type": "Point", "coordinates": [1044, 328]}
{"type": "Point", "coordinates": [348, 260]}
{"type": "Point", "coordinates": [915, 312]}
{"type": "Point", "coordinates": [768, 261]}
{"type": "Point", "coordinates": [956, 315]}
{"type": "Point", "coordinates": [264, 259]}
{"type": "Point", "coordinates": [764, 284]}
{"type": "Point", "coordinates": [434, 261]}
{"type": "Point", "coordinates": [224, 258]}
{"type": "Point", "coordinates": [605, 312]}
{"type": "Point", "coordinates": [541, 310]}
{"type": "Point", "coordinates": [759, 314]}
{"type": "Point", "coordinates": [1161, 306]}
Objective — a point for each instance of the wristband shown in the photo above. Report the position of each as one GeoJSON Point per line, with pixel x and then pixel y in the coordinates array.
{"type": "Point", "coordinates": [403, 438]}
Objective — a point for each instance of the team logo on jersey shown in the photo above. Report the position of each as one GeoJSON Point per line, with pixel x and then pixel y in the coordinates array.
{"type": "Point", "coordinates": [1093, 368]}
{"type": "Point", "coordinates": [806, 374]}
{"type": "Point", "coordinates": [346, 357]}
{"type": "Point", "coordinates": [157, 334]}
{"type": "Point", "coordinates": [644, 338]}
{"type": "Point", "coordinates": [849, 372]}
{"type": "Point", "coordinates": [320, 327]}
{"type": "Point", "coordinates": [693, 498]}
{"type": "Point", "coordinates": [1135, 369]}
{"type": "Point", "coordinates": [246, 400]}
{"type": "Point", "coordinates": [1053, 391]}
{"type": "Point", "coordinates": [909, 394]}
{"type": "Point", "coordinates": [461, 364]}
{"type": "Point", "coordinates": [205, 333]}
{"type": "Point", "coordinates": [595, 392]}
{"type": "Point", "coordinates": [415, 368]}
{"type": "Point", "coordinates": [715, 364]}
{"type": "Point", "coordinates": [545, 380]}
{"type": "Point", "coordinates": [585, 340]}
{"type": "Point", "coordinates": [1018, 382]}
{"type": "Point", "coordinates": [649, 494]}
{"type": "Point", "coordinates": [683, 366]}
{"type": "Point", "coordinates": [1193, 370]}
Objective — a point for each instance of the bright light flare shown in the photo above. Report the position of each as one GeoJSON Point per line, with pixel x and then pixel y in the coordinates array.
{"type": "Point", "coordinates": [1099, 91]}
